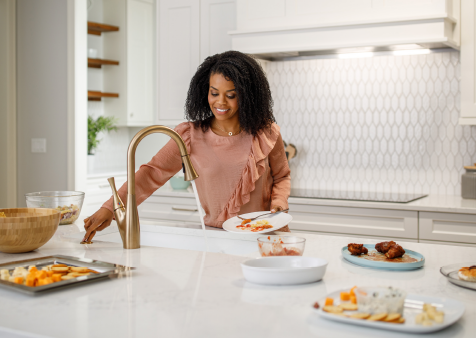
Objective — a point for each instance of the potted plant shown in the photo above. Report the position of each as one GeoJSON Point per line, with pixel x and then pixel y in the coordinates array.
{"type": "Point", "coordinates": [95, 126]}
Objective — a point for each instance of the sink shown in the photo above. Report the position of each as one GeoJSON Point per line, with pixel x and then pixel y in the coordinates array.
{"type": "Point", "coordinates": [184, 236]}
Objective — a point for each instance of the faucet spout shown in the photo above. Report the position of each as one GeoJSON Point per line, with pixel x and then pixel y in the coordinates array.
{"type": "Point", "coordinates": [127, 217]}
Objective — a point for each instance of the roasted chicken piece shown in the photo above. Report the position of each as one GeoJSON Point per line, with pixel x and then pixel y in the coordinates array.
{"type": "Point", "coordinates": [395, 251]}
{"type": "Point", "coordinates": [357, 249]}
{"type": "Point", "coordinates": [383, 247]}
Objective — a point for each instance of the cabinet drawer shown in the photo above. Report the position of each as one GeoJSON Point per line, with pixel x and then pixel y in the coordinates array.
{"type": "Point", "coordinates": [170, 208]}
{"type": "Point", "coordinates": [355, 221]}
{"type": "Point", "coordinates": [448, 227]}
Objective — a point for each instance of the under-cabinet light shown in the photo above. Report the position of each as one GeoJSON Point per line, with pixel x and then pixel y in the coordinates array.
{"type": "Point", "coordinates": [355, 55]}
{"type": "Point", "coordinates": [412, 52]}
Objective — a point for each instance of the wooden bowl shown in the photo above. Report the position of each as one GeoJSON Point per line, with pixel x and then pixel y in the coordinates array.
{"type": "Point", "coordinates": [26, 229]}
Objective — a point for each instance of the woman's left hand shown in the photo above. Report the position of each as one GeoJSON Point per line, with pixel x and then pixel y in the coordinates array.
{"type": "Point", "coordinates": [275, 209]}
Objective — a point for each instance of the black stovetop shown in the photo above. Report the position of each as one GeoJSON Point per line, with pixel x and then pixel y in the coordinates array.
{"type": "Point", "coordinates": [373, 196]}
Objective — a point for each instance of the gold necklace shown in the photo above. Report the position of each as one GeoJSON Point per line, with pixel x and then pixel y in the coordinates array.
{"type": "Point", "coordinates": [228, 132]}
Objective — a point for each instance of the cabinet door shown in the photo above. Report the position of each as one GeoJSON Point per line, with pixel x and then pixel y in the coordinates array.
{"type": "Point", "coordinates": [179, 50]}
{"type": "Point", "coordinates": [140, 65]}
{"type": "Point", "coordinates": [217, 17]}
{"type": "Point", "coordinates": [448, 227]}
{"type": "Point", "coordinates": [468, 62]}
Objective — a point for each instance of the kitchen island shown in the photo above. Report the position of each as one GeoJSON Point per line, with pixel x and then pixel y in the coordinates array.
{"type": "Point", "coordinates": [190, 293]}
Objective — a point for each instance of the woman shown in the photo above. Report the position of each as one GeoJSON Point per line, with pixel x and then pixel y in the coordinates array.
{"type": "Point", "coordinates": [233, 142]}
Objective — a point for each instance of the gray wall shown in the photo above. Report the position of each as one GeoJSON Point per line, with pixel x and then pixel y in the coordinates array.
{"type": "Point", "coordinates": [41, 95]}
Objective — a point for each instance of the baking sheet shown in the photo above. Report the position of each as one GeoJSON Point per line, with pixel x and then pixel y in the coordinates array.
{"type": "Point", "coordinates": [105, 271]}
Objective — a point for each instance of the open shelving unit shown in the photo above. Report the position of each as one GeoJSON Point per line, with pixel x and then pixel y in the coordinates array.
{"type": "Point", "coordinates": [96, 28]}
{"type": "Point", "coordinates": [97, 96]}
{"type": "Point", "coordinates": [98, 63]}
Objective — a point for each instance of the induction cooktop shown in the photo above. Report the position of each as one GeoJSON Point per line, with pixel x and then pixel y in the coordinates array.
{"type": "Point", "coordinates": [373, 196]}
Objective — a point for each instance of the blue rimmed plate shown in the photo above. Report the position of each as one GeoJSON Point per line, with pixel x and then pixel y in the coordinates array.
{"type": "Point", "coordinates": [411, 260]}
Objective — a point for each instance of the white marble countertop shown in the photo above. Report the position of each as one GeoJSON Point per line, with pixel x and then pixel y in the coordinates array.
{"type": "Point", "coordinates": [184, 293]}
{"type": "Point", "coordinates": [431, 203]}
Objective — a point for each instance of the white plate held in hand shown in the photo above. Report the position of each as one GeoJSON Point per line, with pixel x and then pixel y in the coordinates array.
{"type": "Point", "coordinates": [276, 220]}
{"type": "Point", "coordinates": [286, 270]}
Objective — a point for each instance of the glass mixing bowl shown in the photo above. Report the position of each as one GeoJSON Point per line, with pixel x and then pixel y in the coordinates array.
{"type": "Point", "coordinates": [281, 245]}
{"type": "Point", "coordinates": [68, 203]}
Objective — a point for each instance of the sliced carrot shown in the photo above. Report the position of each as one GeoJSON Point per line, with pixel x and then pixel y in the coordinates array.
{"type": "Point", "coordinates": [245, 221]}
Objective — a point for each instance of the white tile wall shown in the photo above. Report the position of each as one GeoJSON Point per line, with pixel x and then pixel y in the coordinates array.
{"type": "Point", "coordinates": [385, 123]}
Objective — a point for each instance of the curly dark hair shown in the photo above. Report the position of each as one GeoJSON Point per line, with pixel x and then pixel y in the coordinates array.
{"type": "Point", "coordinates": [254, 96]}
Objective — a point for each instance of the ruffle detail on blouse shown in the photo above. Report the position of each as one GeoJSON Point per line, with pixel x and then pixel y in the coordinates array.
{"type": "Point", "coordinates": [261, 146]}
{"type": "Point", "coordinates": [184, 130]}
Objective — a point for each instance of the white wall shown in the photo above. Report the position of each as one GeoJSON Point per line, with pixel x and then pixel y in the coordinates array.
{"type": "Point", "coordinates": [42, 102]}
{"type": "Point", "coordinates": [7, 105]}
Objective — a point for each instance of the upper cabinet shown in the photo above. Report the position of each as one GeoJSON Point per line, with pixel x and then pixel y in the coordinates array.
{"type": "Point", "coordinates": [189, 32]}
{"type": "Point", "coordinates": [468, 62]}
{"type": "Point", "coordinates": [274, 27]}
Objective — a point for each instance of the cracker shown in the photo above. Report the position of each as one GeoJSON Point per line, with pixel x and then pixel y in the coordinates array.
{"type": "Point", "coordinates": [332, 309]}
{"type": "Point", "coordinates": [60, 269]}
{"type": "Point", "coordinates": [377, 317]}
{"type": "Point", "coordinates": [59, 266]}
{"type": "Point", "coordinates": [348, 306]}
{"type": "Point", "coordinates": [81, 269]}
{"type": "Point", "coordinates": [393, 317]}
{"type": "Point", "coordinates": [67, 277]}
{"type": "Point", "coordinates": [360, 315]}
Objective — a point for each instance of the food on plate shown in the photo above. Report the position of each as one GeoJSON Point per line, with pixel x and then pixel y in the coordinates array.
{"type": "Point", "coordinates": [395, 251]}
{"type": "Point", "coordinates": [348, 306]}
{"type": "Point", "coordinates": [2, 214]}
{"type": "Point", "coordinates": [429, 315]}
{"type": "Point", "coordinates": [377, 300]}
{"type": "Point", "coordinates": [357, 249]}
{"type": "Point", "coordinates": [345, 296]}
{"type": "Point", "coordinates": [316, 305]}
{"type": "Point", "coordinates": [467, 273]}
{"type": "Point", "coordinates": [378, 317]}
{"type": "Point", "coordinates": [383, 247]}
{"type": "Point", "coordinates": [258, 226]}
{"type": "Point", "coordinates": [47, 275]}
{"type": "Point", "coordinates": [332, 309]}
{"type": "Point", "coordinates": [390, 249]}
{"type": "Point", "coordinates": [360, 315]}
{"type": "Point", "coordinates": [349, 309]}
{"type": "Point", "coordinates": [69, 214]}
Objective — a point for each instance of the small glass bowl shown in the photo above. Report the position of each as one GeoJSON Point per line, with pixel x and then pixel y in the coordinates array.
{"type": "Point", "coordinates": [281, 246]}
{"type": "Point", "coordinates": [380, 299]}
{"type": "Point", "coordinates": [68, 203]}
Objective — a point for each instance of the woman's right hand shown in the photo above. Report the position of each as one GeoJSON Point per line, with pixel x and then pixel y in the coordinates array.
{"type": "Point", "coordinates": [100, 220]}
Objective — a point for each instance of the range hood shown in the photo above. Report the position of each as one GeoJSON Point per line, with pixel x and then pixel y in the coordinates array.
{"type": "Point", "coordinates": [287, 33]}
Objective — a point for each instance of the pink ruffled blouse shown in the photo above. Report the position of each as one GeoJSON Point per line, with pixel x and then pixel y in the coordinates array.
{"type": "Point", "coordinates": [237, 174]}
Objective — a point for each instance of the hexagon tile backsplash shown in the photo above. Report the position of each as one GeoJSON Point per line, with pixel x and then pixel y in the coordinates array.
{"type": "Point", "coordinates": [385, 123]}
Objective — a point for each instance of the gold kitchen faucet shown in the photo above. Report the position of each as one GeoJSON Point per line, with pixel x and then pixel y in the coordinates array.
{"type": "Point", "coordinates": [127, 217]}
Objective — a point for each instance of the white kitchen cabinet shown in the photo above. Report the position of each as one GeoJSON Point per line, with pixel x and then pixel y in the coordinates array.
{"type": "Point", "coordinates": [134, 47]}
{"type": "Point", "coordinates": [287, 27]}
{"type": "Point", "coordinates": [190, 31]}
{"type": "Point", "coordinates": [355, 221]}
{"type": "Point", "coordinates": [448, 227]}
{"type": "Point", "coordinates": [468, 62]}
{"type": "Point", "coordinates": [170, 208]}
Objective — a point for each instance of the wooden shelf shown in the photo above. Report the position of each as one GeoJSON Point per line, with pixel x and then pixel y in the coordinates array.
{"type": "Point", "coordinates": [96, 28]}
{"type": "Point", "coordinates": [97, 96]}
{"type": "Point", "coordinates": [97, 63]}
